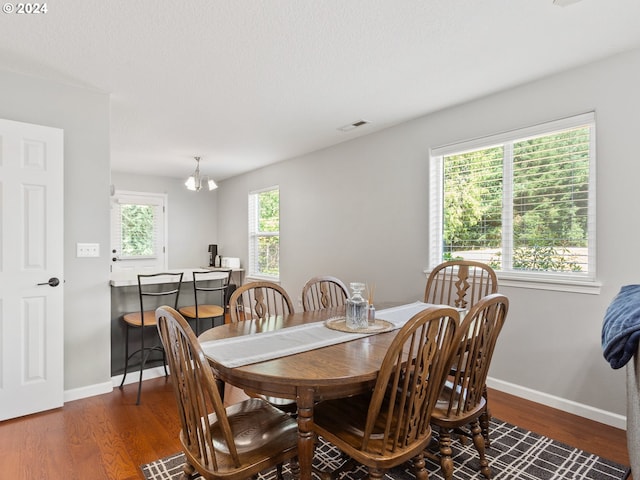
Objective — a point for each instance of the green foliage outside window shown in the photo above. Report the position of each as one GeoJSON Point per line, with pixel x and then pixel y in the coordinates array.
{"type": "Point", "coordinates": [137, 230]}
{"type": "Point", "coordinates": [550, 179]}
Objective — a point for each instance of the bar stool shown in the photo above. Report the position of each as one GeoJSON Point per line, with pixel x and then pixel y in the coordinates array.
{"type": "Point", "coordinates": [157, 289]}
{"type": "Point", "coordinates": [207, 285]}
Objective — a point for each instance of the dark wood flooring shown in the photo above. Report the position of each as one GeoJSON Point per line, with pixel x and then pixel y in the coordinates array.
{"type": "Point", "coordinates": [109, 437]}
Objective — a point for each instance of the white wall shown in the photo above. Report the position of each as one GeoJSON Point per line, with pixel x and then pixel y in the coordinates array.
{"type": "Point", "coordinates": [84, 117]}
{"type": "Point", "coordinates": [192, 216]}
{"type": "Point", "coordinates": [359, 211]}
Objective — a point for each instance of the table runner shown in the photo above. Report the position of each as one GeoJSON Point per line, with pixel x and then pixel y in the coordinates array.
{"type": "Point", "coordinates": [259, 347]}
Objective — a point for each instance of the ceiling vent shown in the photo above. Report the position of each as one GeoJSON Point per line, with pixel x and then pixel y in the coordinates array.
{"type": "Point", "coordinates": [564, 3]}
{"type": "Point", "coordinates": [351, 126]}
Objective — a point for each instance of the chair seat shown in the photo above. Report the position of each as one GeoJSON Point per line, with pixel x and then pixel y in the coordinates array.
{"type": "Point", "coordinates": [343, 422]}
{"type": "Point", "coordinates": [243, 417]}
{"type": "Point", "coordinates": [440, 417]}
{"type": "Point", "coordinates": [286, 405]}
{"type": "Point", "coordinates": [134, 319]}
{"type": "Point", "coordinates": [204, 311]}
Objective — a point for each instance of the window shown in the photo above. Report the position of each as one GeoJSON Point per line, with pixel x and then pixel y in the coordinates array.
{"type": "Point", "coordinates": [138, 231]}
{"type": "Point", "coordinates": [264, 233]}
{"type": "Point", "coordinates": [523, 201]}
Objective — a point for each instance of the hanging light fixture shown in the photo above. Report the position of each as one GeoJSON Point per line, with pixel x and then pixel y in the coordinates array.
{"type": "Point", "coordinates": [194, 182]}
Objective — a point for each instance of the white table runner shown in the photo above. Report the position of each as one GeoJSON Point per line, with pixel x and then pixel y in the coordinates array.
{"type": "Point", "coordinates": [259, 347]}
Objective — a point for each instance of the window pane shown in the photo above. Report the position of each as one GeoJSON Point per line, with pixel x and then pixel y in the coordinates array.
{"type": "Point", "coordinates": [269, 255]}
{"type": "Point", "coordinates": [269, 220]}
{"type": "Point", "coordinates": [550, 202]}
{"type": "Point", "coordinates": [473, 205]}
{"type": "Point", "coordinates": [137, 230]}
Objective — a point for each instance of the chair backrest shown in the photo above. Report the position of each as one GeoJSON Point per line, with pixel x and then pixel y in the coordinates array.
{"type": "Point", "coordinates": [207, 283]}
{"type": "Point", "coordinates": [471, 356]}
{"type": "Point", "coordinates": [410, 379]}
{"type": "Point", "coordinates": [460, 283]}
{"type": "Point", "coordinates": [155, 289]}
{"type": "Point", "coordinates": [259, 300]}
{"type": "Point", "coordinates": [323, 292]}
{"type": "Point", "coordinates": [195, 389]}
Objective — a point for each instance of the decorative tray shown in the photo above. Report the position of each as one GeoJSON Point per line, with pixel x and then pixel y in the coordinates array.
{"type": "Point", "coordinates": [340, 324]}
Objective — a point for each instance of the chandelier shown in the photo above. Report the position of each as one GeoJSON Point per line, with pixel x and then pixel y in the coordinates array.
{"type": "Point", "coordinates": [195, 181]}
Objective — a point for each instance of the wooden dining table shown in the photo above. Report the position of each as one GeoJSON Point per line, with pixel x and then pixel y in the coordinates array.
{"type": "Point", "coordinates": [333, 371]}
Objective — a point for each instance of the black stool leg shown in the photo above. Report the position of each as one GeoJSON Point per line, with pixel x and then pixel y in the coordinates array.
{"type": "Point", "coordinates": [126, 353]}
{"type": "Point", "coordinates": [143, 360]}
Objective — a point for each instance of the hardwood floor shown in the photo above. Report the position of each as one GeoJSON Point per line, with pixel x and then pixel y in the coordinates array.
{"type": "Point", "coordinates": [109, 437]}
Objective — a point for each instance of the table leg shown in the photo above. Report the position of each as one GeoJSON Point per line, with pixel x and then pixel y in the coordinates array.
{"type": "Point", "coordinates": [305, 399]}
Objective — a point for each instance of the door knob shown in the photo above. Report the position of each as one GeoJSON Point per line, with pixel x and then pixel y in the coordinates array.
{"type": "Point", "coordinates": [53, 282]}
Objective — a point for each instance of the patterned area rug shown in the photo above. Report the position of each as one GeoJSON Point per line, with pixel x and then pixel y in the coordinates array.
{"type": "Point", "coordinates": [514, 454]}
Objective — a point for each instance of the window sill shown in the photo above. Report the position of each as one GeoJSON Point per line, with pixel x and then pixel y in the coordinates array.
{"type": "Point", "coordinates": [556, 284]}
{"type": "Point", "coordinates": [590, 287]}
{"type": "Point", "coordinates": [262, 278]}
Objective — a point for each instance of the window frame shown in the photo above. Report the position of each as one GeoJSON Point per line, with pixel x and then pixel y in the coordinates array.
{"type": "Point", "coordinates": [566, 281]}
{"type": "Point", "coordinates": [255, 235]}
{"type": "Point", "coordinates": [156, 262]}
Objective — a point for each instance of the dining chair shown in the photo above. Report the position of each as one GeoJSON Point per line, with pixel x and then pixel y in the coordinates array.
{"type": "Point", "coordinates": [390, 425]}
{"type": "Point", "coordinates": [153, 290]}
{"type": "Point", "coordinates": [263, 301]}
{"type": "Point", "coordinates": [232, 443]}
{"type": "Point", "coordinates": [207, 289]}
{"type": "Point", "coordinates": [461, 284]}
{"type": "Point", "coordinates": [462, 402]}
{"type": "Point", "coordinates": [259, 300]}
{"type": "Point", "coordinates": [323, 292]}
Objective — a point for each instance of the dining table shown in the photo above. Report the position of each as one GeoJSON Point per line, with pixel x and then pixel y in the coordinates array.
{"type": "Point", "coordinates": [304, 356]}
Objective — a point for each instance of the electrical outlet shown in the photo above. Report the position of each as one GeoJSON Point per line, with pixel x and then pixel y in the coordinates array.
{"type": "Point", "coordinates": [84, 250]}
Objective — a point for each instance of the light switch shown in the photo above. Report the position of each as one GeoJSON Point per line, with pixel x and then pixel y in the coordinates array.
{"type": "Point", "coordinates": [87, 250]}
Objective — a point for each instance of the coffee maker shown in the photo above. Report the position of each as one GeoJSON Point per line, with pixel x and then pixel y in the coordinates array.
{"type": "Point", "coordinates": [213, 253]}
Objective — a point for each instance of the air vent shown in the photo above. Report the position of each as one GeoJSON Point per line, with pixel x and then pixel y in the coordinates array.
{"type": "Point", "coordinates": [564, 3]}
{"type": "Point", "coordinates": [353, 125]}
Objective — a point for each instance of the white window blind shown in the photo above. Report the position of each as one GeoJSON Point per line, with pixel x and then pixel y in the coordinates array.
{"type": "Point", "coordinates": [521, 201]}
{"type": "Point", "coordinates": [138, 230]}
{"type": "Point", "coordinates": [264, 233]}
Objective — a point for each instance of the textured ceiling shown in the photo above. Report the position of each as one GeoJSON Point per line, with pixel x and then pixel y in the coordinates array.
{"type": "Point", "coordinates": [243, 83]}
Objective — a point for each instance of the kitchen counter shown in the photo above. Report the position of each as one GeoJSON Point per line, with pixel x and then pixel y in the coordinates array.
{"type": "Point", "coordinates": [125, 298]}
{"type": "Point", "coordinates": [130, 278]}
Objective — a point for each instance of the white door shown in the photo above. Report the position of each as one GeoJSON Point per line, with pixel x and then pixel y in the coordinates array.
{"type": "Point", "coordinates": [31, 269]}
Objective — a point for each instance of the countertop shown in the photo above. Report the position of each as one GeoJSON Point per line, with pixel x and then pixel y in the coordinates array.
{"type": "Point", "coordinates": [130, 278]}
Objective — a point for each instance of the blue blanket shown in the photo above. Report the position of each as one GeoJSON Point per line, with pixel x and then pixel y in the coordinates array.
{"type": "Point", "coordinates": [621, 327]}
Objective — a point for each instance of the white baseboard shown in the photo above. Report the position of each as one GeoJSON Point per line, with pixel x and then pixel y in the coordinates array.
{"type": "Point", "coordinates": [586, 411]}
{"type": "Point", "coordinates": [133, 377]}
{"type": "Point", "coordinates": [88, 391]}
{"type": "Point", "coordinates": [107, 387]}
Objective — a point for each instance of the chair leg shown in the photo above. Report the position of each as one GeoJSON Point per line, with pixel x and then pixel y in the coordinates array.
{"type": "Point", "coordinates": [126, 353]}
{"type": "Point", "coordinates": [164, 362]}
{"type": "Point", "coordinates": [478, 442]}
{"type": "Point", "coordinates": [419, 468]}
{"type": "Point", "coordinates": [446, 462]}
{"type": "Point", "coordinates": [485, 418]}
{"type": "Point", "coordinates": [187, 471]}
{"type": "Point", "coordinates": [375, 473]}
{"type": "Point", "coordinates": [294, 465]}
{"type": "Point", "coordinates": [143, 361]}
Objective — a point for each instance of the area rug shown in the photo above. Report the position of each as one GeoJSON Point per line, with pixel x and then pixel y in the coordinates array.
{"type": "Point", "coordinates": [514, 454]}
